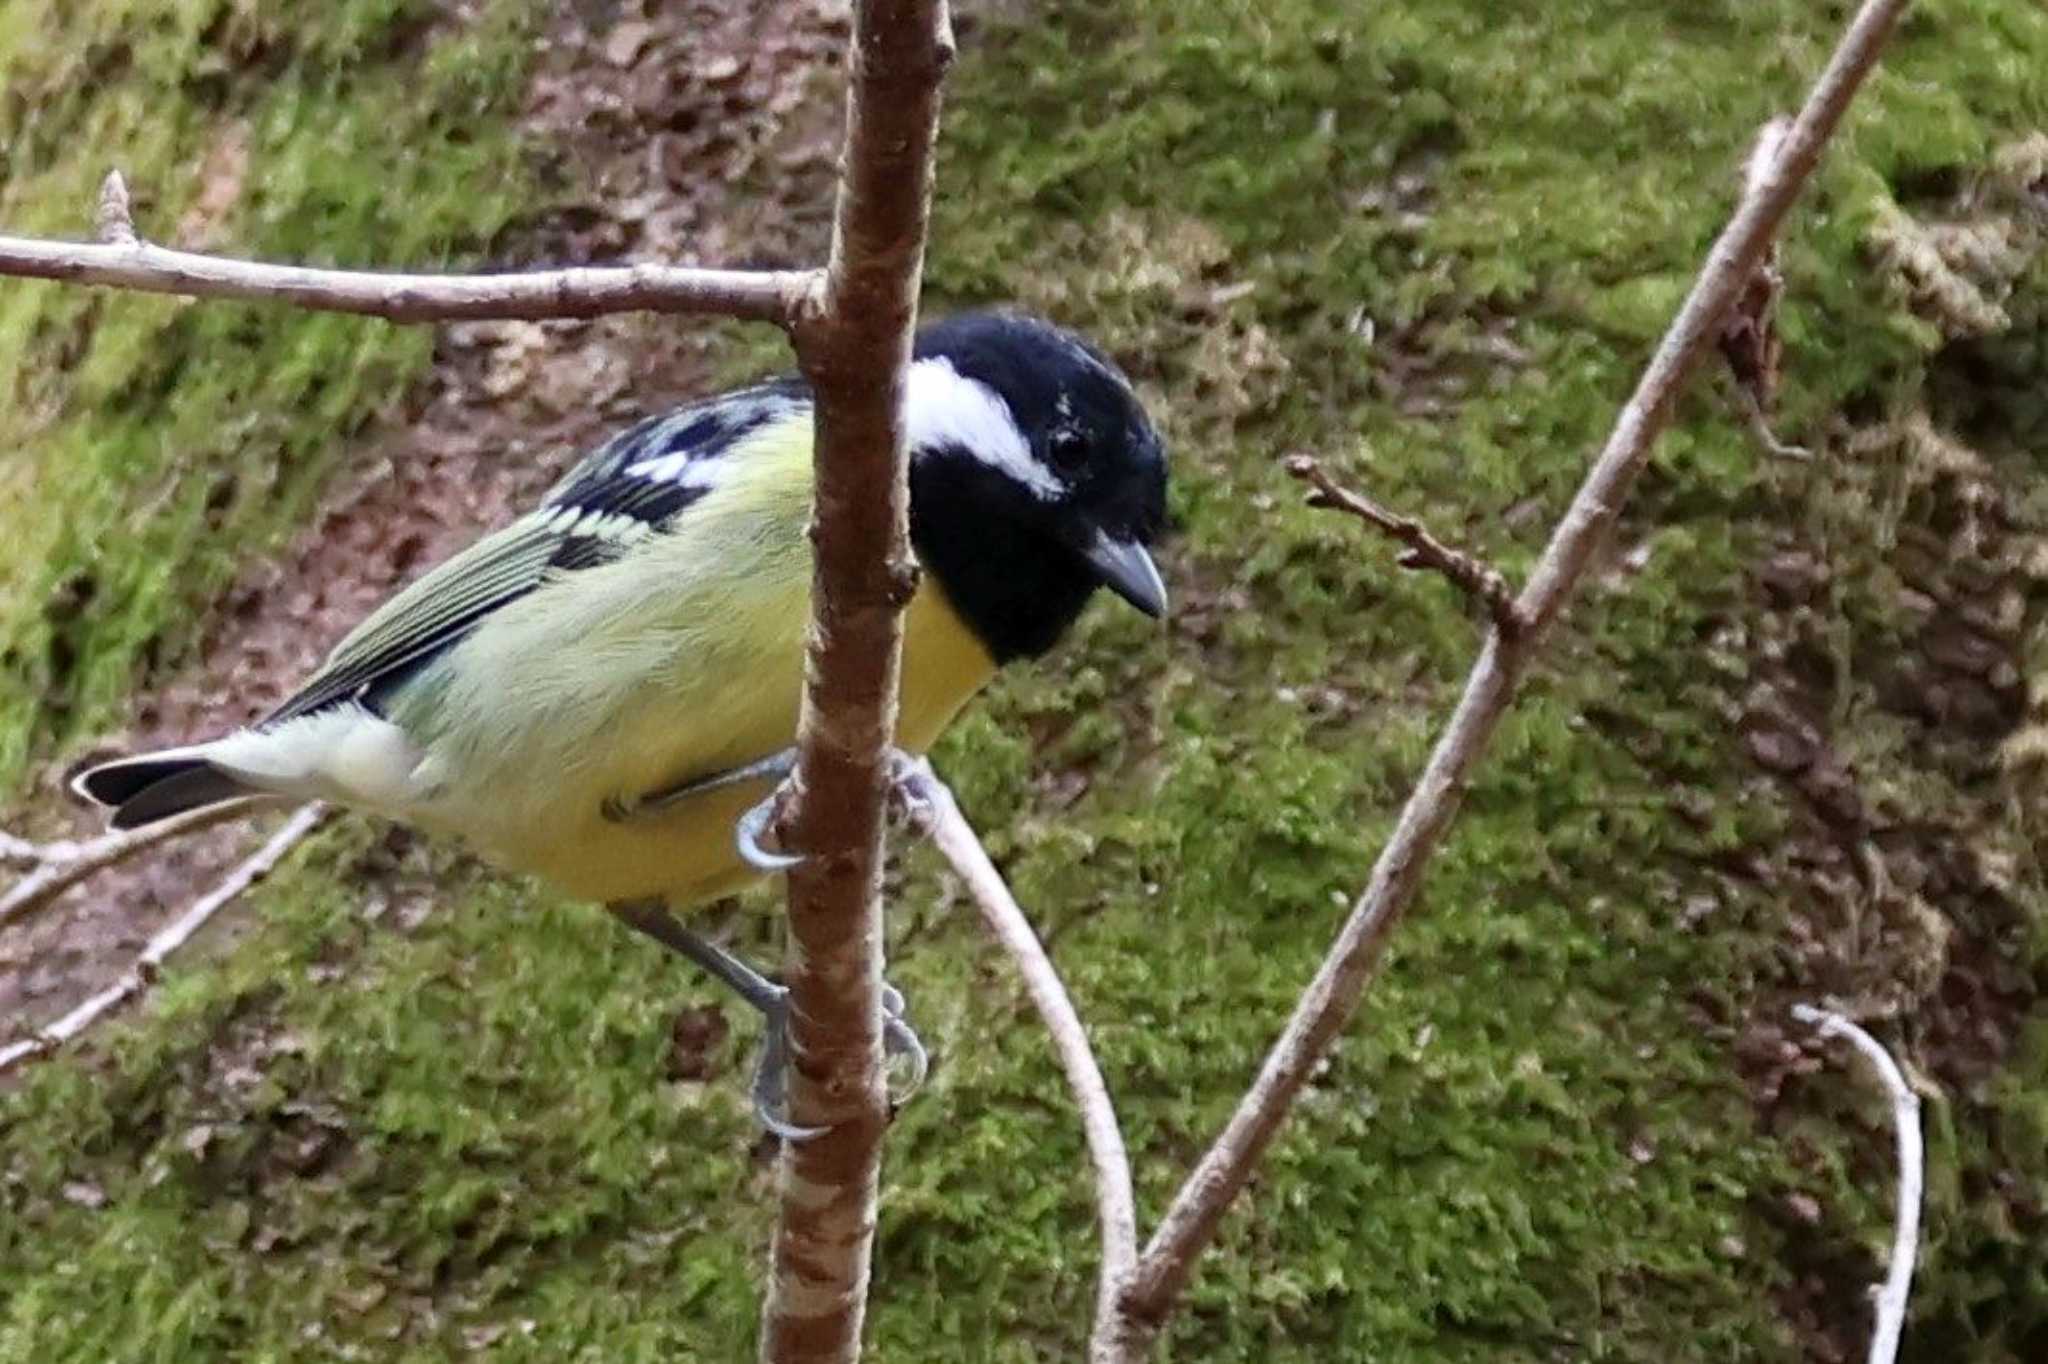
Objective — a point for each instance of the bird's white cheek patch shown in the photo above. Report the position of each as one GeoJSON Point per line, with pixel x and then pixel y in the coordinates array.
{"type": "Point", "coordinates": [945, 408]}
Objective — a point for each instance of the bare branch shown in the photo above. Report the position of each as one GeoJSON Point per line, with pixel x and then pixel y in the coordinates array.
{"type": "Point", "coordinates": [54, 868]}
{"type": "Point", "coordinates": [1190, 1222]}
{"type": "Point", "coordinates": [1472, 576]}
{"type": "Point", "coordinates": [148, 967]}
{"type": "Point", "coordinates": [120, 259]}
{"type": "Point", "coordinates": [854, 348]}
{"type": "Point", "coordinates": [1891, 1295]}
{"type": "Point", "coordinates": [938, 812]}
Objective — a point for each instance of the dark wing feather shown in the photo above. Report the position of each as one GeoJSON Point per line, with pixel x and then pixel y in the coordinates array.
{"type": "Point", "coordinates": [637, 484]}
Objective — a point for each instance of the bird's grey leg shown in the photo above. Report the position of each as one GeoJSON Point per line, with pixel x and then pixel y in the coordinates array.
{"type": "Point", "coordinates": [776, 766]}
{"type": "Point", "coordinates": [748, 830]}
{"type": "Point", "coordinates": [771, 1070]}
{"type": "Point", "coordinates": [652, 917]}
{"type": "Point", "coordinates": [752, 826]}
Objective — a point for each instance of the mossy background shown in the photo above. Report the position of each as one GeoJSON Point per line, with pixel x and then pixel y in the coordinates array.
{"type": "Point", "coordinates": [1430, 242]}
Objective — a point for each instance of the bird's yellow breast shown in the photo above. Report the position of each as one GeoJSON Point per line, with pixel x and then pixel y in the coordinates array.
{"type": "Point", "coordinates": [685, 853]}
{"type": "Point", "coordinates": [626, 679]}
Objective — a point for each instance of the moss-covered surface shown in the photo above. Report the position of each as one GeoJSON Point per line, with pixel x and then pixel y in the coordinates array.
{"type": "Point", "coordinates": [150, 443]}
{"type": "Point", "coordinates": [1430, 242]}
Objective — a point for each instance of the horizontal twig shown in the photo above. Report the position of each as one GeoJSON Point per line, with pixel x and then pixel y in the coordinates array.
{"type": "Point", "coordinates": [120, 259]}
{"type": "Point", "coordinates": [148, 967]}
{"type": "Point", "coordinates": [1471, 575]}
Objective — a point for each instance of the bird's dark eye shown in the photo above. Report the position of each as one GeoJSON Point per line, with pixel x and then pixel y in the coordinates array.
{"type": "Point", "coordinates": [1067, 448]}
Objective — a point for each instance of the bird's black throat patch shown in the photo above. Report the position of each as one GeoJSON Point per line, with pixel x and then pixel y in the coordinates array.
{"type": "Point", "coordinates": [1014, 584]}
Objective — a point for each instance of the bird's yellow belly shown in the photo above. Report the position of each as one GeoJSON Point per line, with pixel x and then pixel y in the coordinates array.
{"type": "Point", "coordinates": [685, 853]}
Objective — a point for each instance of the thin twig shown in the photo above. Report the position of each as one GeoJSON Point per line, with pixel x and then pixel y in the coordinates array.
{"type": "Point", "coordinates": [120, 259]}
{"type": "Point", "coordinates": [939, 814]}
{"type": "Point", "coordinates": [54, 868]}
{"type": "Point", "coordinates": [148, 967]}
{"type": "Point", "coordinates": [1750, 340]}
{"type": "Point", "coordinates": [854, 347]}
{"type": "Point", "coordinates": [1471, 575]}
{"type": "Point", "coordinates": [1890, 1296]}
{"type": "Point", "coordinates": [1191, 1221]}
{"type": "Point", "coordinates": [1759, 426]}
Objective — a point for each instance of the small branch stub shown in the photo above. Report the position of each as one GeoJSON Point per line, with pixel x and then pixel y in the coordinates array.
{"type": "Point", "coordinates": [1750, 341]}
{"type": "Point", "coordinates": [113, 223]}
{"type": "Point", "coordinates": [1471, 575]}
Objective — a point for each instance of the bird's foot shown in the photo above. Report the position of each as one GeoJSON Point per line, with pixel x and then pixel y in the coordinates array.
{"type": "Point", "coordinates": [754, 825]}
{"type": "Point", "coordinates": [770, 1088]}
{"type": "Point", "coordinates": [907, 801]}
{"type": "Point", "coordinates": [910, 790]}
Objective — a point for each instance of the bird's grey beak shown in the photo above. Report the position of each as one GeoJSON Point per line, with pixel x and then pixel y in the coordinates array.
{"type": "Point", "coordinates": [1128, 571]}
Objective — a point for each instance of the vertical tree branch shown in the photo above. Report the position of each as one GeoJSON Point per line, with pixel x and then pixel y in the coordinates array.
{"type": "Point", "coordinates": [854, 347]}
{"type": "Point", "coordinates": [1190, 1222]}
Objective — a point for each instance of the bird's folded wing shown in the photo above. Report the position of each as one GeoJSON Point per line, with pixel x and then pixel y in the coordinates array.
{"type": "Point", "coordinates": [636, 485]}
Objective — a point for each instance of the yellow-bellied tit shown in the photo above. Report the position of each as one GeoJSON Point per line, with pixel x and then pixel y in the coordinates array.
{"type": "Point", "coordinates": [597, 692]}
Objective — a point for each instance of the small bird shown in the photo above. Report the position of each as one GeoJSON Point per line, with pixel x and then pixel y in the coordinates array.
{"type": "Point", "coordinates": [601, 691]}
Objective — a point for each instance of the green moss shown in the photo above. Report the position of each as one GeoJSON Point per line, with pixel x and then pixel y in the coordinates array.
{"type": "Point", "coordinates": [1461, 226]}
{"type": "Point", "coordinates": [163, 441]}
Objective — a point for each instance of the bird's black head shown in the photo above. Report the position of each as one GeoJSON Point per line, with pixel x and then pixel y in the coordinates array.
{"type": "Point", "coordinates": [1035, 478]}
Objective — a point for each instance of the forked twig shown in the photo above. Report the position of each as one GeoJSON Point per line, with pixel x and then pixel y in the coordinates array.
{"type": "Point", "coordinates": [53, 868]}
{"type": "Point", "coordinates": [1326, 1006]}
{"type": "Point", "coordinates": [148, 967]}
{"type": "Point", "coordinates": [1472, 575]}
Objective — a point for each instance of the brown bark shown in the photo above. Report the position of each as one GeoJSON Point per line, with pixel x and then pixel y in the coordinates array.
{"type": "Point", "coordinates": [855, 350]}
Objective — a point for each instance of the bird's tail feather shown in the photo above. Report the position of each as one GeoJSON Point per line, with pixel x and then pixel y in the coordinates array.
{"type": "Point", "coordinates": [155, 786]}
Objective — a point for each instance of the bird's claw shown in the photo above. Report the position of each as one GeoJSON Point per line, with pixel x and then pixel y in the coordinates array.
{"type": "Point", "coordinates": [899, 1039]}
{"type": "Point", "coordinates": [771, 1072]}
{"type": "Point", "coordinates": [908, 801]}
{"type": "Point", "coordinates": [751, 827]}
{"type": "Point", "coordinates": [771, 1077]}
{"type": "Point", "coordinates": [909, 793]}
